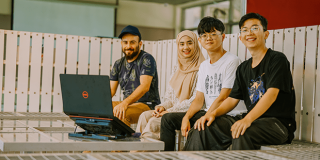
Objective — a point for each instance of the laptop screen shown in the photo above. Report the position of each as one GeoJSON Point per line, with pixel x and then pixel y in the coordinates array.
{"type": "Point", "coordinates": [86, 95]}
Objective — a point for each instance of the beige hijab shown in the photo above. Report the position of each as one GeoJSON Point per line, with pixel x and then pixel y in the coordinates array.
{"type": "Point", "coordinates": [183, 79]}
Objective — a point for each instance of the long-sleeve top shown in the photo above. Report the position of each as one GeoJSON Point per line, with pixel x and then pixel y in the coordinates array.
{"type": "Point", "coordinates": [171, 103]}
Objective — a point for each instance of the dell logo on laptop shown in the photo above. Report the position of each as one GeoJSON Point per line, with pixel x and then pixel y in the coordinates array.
{"type": "Point", "coordinates": [85, 94]}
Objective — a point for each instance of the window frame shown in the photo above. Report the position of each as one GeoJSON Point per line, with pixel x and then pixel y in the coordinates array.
{"type": "Point", "coordinates": [230, 17]}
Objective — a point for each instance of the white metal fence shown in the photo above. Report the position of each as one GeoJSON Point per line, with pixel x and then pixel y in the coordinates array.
{"type": "Point", "coordinates": [32, 63]}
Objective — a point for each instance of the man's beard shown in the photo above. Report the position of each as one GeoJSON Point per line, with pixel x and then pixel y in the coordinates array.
{"type": "Point", "coordinates": [134, 53]}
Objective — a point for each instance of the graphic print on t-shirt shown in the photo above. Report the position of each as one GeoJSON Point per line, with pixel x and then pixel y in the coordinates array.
{"type": "Point", "coordinates": [207, 84]}
{"type": "Point", "coordinates": [147, 63]}
{"type": "Point", "coordinates": [256, 89]}
{"type": "Point", "coordinates": [213, 84]}
{"type": "Point", "coordinates": [125, 76]}
{"type": "Point", "coordinates": [133, 75]}
{"type": "Point", "coordinates": [219, 83]}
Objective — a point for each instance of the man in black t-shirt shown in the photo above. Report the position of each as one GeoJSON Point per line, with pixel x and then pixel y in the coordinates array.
{"type": "Point", "coordinates": [137, 75]}
{"type": "Point", "coordinates": [265, 84]}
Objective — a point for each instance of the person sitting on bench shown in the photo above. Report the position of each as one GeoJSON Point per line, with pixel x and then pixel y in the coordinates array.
{"type": "Point", "coordinates": [215, 80]}
{"type": "Point", "coordinates": [137, 75]}
{"type": "Point", "coordinates": [265, 84]}
{"type": "Point", "coordinates": [181, 89]}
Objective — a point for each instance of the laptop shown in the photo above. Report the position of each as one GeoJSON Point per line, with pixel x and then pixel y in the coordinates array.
{"type": "Point", "coordinates": [87, 100]}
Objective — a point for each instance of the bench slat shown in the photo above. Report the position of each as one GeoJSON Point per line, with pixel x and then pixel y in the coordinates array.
{"type": "Point", "coordinates": [269, 41]}
{"type": "Point", "coordinates": [1, 62]}
{"type": "Point", "coordinates": [83, 55]}
{"type": "Point", "coordinates": [59, 61]}
{"type": "Point", "coordinates": [288, 47]}
{"type": "Point", "coordinates": [23, 71]}
{"type": "Point", "coordinates": [226, 42]}
{"type": "Point", "coordinates": [174, 53]}
{"type": "Point", "coordinates": [163, 68]}
{"type": "Point", "coordinates": [46, 91]}
{"type": "Point", "coordinates": [35, 72]}
{"type": "Point", "coordinates": [72, 55]}
{"type": "Point", "coordinates": [169, 63]}
{"type": "Point", "coordinates": [10, 72]}
{"type": "Point", "coordinates": [309, 84]}
{"type": "Point", "coordinates": [94, 56]}
{"type": "Point", "coordinates": [242, 51]}
{"type": "Point", "coordinates": [148, 46]}
{"type": "Point", "coordinates": [116, 54]}
{"type": "Point", "coordinates": [154, 50]}
{"type": "Point", "coordinates": [234, 44]}
{"type": "Point", "coordinates": [105, 56]}
{"type": "Point", "coordinates": [159, 52]}
{"type": "Point", "coordinates": [316, 122]}
{"type": "Point", "coordinates": [278, 40]}
{"type": "Point", "coordinates": [288, 50]}
{"type": "Point", "coordinates": [297, 74]}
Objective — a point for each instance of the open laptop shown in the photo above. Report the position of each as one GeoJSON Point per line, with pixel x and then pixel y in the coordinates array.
{"type": "Point", "coordinates": [87, 101]}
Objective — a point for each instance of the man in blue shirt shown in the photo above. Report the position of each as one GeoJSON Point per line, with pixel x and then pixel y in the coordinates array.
{"type": "Point", "coordinates": [137, 75]}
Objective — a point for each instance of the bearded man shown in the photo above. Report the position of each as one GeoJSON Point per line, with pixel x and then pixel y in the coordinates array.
{"type": "Point", "coordinates": [137, 75]}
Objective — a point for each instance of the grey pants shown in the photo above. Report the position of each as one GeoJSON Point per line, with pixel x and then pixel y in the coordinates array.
{"type": "Point", "coordinates": [217, 136]}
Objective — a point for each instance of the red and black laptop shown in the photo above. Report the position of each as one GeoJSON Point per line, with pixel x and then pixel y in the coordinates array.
{"type": "Point", "coordinates": [87, 101]}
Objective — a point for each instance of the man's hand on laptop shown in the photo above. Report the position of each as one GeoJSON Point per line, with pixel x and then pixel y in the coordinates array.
{"type": "Point", "coordinates": [120, 110]}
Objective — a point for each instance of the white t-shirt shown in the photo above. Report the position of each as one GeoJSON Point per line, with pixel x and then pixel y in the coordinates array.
{"type": "Point", "coordinates": [221, 74]}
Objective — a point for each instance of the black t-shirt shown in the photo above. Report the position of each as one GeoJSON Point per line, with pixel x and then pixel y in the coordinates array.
{"type": "Point", "coordinates": [128, 75]}
{"type": "Point", "coordinates": [272, 72]}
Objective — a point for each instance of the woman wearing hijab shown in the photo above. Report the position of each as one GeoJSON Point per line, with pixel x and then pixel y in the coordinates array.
{"type": "Point", "coordinates": [182, 89]}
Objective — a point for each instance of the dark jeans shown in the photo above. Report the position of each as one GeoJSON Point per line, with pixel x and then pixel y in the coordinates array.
{"type": "Point", "coordinates": [217, 136]}
{"type": "Point", "coordinates": [171, 122]}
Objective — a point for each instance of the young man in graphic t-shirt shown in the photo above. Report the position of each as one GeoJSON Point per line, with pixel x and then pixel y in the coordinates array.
{"type": "Point", "coordinates": [265, 84]}
{"type": "Point", "coordinates": [216, 76]}
{"type": "Point", "coordinates": [215, 79]}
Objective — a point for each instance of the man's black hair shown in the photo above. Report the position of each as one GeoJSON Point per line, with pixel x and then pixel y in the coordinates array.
{"type": "Point", "coordinates": [257, 16]}
{"type": "Point", "coordinates": [210, 24]}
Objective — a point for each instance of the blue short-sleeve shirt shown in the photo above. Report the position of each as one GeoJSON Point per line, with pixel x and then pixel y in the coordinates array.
{"type": "Point", "coordinates": [128, 76]}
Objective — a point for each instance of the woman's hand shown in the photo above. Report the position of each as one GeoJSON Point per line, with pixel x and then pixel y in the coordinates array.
{"type": "Point", "coordinates": [159, 109]}
{"type": "Point", "coordinates": [157, 114]}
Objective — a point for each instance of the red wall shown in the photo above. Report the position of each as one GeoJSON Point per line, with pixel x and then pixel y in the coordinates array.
{"type": "Point", "coordinates": [287, 13]}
